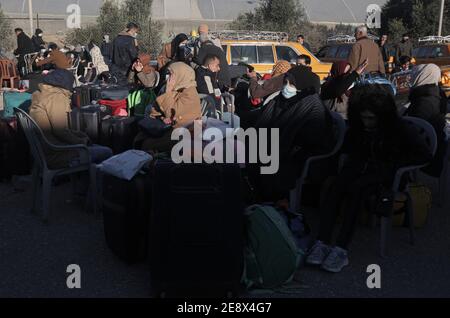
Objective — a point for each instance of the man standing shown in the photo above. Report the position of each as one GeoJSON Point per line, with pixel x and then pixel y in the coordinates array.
{"type": "Point", "coordinates": [125, 49]}
{"type": "Point", "coordinates": [386, 48]}
{"type": "Point", "coordinates": [366, 49]}
{"type": "Point", "coordinates": [404, 48]}
{"type": "Point", "coordinates": [301, 40]}
{"type": "Point", "coordinates": [24, 46]}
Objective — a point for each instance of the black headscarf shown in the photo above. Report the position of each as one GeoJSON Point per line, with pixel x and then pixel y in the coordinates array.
{"type": "Point", "coordinates": [176, 44]}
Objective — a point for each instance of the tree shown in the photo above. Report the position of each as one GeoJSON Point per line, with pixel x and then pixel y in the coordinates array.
{"type": "Point", "coordinates": [113, 19]}
{"type": "Point", "coordinates": [396, 29]}
{"type": "Point", "coordinates": [5, 32]}
{"type": "Point", "coordinates": [274, 15]}
{"type": "Point", "coordinates": [419, 17]}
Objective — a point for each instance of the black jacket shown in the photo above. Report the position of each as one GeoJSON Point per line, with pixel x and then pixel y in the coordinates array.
{"type": "Point", "coordinates": [125, 51]}
{"type": "Point", "coordinates": [211, 49]}
{"type": "Point", "coordinates": [404, 49]}
{"type": "Point", "coordinates": [387, 50]}
{"type": "Point", "coordinates": [430, 103]}
{"type": "Point", "coordinates": [305, 129]}
{"type": "Point", "coordinates": [204, 77]}
{"type": "Point", "coordinates": [24, 45]}
{"type": "Point", "coordinates": [38, 43]}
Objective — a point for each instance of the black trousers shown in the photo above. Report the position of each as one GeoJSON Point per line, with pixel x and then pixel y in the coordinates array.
{"type": "Point", "coordinates": [347, 193]}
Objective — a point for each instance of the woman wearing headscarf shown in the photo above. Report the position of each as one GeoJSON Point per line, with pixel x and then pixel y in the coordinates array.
{"type": "Point", "coordinates": [305, 129]}
{"type": "Point", "coordinates": [429, 102]}
{"type": "Point", "coordinates": [142, 73]}
{"type": "Point", "coordinates": [38, 41]}
{"type": "Point", "coordinates": [178, 107]}
{"type": "Point", "coordinates": [270, 86]}
{"type": "Point", "coordinates": [336, 90]}
{"type": "Point", "coordinates": [171, 52]}
{"type": "Point", "coordinates": [99, 61]}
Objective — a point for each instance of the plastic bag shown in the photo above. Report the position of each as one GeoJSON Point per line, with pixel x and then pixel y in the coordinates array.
{"type": "Point", "coordinates": [126, 165]}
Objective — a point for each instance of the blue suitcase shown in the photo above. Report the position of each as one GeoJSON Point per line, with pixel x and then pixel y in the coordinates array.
{"type": "Point", "coordinates": [13, 100]}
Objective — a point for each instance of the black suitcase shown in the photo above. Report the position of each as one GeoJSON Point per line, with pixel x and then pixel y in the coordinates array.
{"type": "Point", "coordinates": [118, 133]}
{"type": "Point", "coordinates": [126, 207]}
{"type": "Point", "coordinates": [196, 242]}
{"type": "Point", "coordinates": [88, 119]}
{"type": "Point", "coordinates": [81, 96]}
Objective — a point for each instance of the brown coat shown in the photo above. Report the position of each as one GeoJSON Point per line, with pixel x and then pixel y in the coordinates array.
{"type": "Point", "coordinates": [269, 87]}
{"type": "Point", "coordinates": [49, 108]}
{"type": "Point", "coordinates": [364, 49]}
{"type": "Point", "coordinates": [58, 58]}
{"type": "Point", "coordinates": [185, 103]}
{"type": "Point", "coordinates": [165, 56]}
{"type": "Point", "coordinates": [183, 100]}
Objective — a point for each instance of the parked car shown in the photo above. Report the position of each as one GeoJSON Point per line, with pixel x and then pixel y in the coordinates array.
{"type": "Point", "coordinates": [263, 49]}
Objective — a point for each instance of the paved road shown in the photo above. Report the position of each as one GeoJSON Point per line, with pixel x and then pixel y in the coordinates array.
{"type": "Point", "coordinates": [34, 257]}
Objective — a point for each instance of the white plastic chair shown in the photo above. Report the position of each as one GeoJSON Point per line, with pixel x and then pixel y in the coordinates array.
{"type": "Point", "coordinates": [340, 130]}
{"type": "Point", "coordinates": [41, 171]}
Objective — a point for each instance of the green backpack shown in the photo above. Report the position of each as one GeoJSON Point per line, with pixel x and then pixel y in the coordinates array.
{"type": "Point", "coordinates": [139, 100]}
{"type": "Point", "coordinates": [271, 254]}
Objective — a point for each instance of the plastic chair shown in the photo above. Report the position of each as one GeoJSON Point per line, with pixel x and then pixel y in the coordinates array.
{"type": "Point", "coordinates": [29, 60]}
{"type": "Point", "coordinates": [428, 133]}
{"type": "Point", "coordinates": [443, 180]}
{"type": "Point", "coordinates": [340, 130]}
{"type": "Point", "coordinates": [41, 171]}
{"type": "Point", "coordinates": [8, 72]}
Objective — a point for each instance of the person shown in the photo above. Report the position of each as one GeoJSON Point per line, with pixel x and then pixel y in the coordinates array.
{"type": "Point", "coordinates": [173, 51]}
{"type": "Point", "coordinates": [209, 48]}
{"type": "Point", "coordinates": [377, 144]}
{"type": "Point", "coordinates": [203, 36]}
{"type": "Point", "coordinates": [429, 102]}
{"type": "Point", "coordinates": [336, 89]}
{"type": "Point", "coordinates": [306, 78]}
{"type": "Point", "coordinates": [404, 64]}
{"type": "Point", "coordinates": [178, 107]}
{"type": "Point", "coordinates": [142, 73]}
{"type": "Point", "coordinates": [125, 49]}
{"type": "Point", "coordinates": [106, 49]}
{"type": "Point", "coordinates": [304, 60]}
{"type": "Point", "coordinates": [404, 48]}
{"type": "Point", "coordinates": [305, 129]}
{"type": "Point", "coordinates": [24, 46]}
{"type": "Point", "coordinates": [98, 62]}
{"type": "Point", "coordinates": [38, 41]}
{"type": "Point", "coordinates": [55, 58]}
{"type": "Point", "coordinates": [49, 108]}
{"type": "Point", "coordinates": [270, 86]}
{"type": "Point", "coordinates": [301, 41]}
{"type": "Point", "coordinates": [366, 49]}
{"type": "Point", "coordinates": [206, 76]}
{"type": "Point", "coordinates": [386, 48]}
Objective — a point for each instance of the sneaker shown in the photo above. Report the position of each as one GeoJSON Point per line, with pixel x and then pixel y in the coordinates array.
{"type": "Point", "coordinates": [336, 260]}
{"type": "Point", "coordinates": [318, 253]}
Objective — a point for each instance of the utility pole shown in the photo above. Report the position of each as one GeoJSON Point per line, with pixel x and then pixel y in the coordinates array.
{"type": "Point", "coordinates": [30, 14]}
{"type": "Point", "coordinates": [441, 19]}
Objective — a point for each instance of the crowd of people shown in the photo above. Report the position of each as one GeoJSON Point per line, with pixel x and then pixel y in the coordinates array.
{"type": "Point", "coordinates": [291, 98]}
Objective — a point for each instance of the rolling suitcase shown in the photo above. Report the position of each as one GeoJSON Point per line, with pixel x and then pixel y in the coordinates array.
{"type": "Point", "coordinates": [118, 133]}
{"type": "Point", "coordinates": [119, 107]}
{"type": "Point", "coordinates": [13, 100]}
{"type": "Point", "coordinates": [126, 207]}
{"type": "Point", "coordinates": [114, 92]}
{"type": "Point", "coordinates": [196, 242]}
{"type": "Point", "coordinates": [81, 96]}
{"type": "Point", "coordinates": [88, 119]}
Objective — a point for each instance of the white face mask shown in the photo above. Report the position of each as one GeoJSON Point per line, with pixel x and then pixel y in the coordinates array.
{"type": "Point", "coordinates": [135, 35]}
{"type": "Point", "coordinates": [289, 91]}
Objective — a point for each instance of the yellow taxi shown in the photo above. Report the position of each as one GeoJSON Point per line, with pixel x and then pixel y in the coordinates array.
{"type": "Point", "coordinates": [263, 49]}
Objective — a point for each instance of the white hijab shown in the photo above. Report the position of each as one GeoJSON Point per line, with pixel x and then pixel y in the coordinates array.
{"type": "Point", "coordinates": [426, 74]}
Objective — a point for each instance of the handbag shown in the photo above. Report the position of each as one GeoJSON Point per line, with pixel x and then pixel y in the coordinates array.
{"type": "Point", "coordinates": [154, 127]}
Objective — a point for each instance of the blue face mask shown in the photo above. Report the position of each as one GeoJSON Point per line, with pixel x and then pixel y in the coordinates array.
{"type": "Point", "coordinates": [289, 91]}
